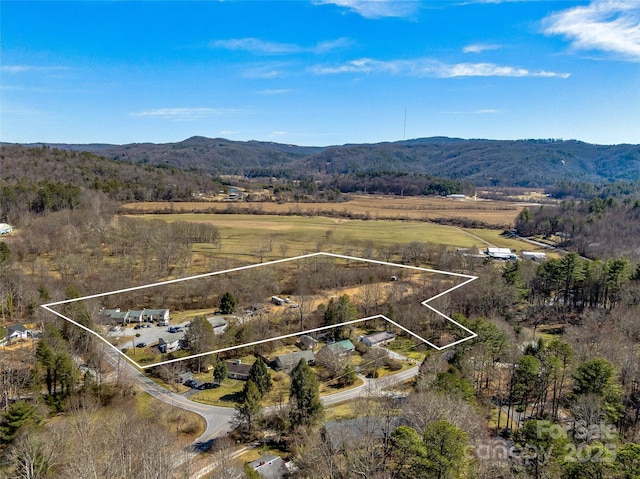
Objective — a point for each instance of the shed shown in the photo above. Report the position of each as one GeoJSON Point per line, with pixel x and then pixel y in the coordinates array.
{"type": "Point", "coordinates": [307, 342]}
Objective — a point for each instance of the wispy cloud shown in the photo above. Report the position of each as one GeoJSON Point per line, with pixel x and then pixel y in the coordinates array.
{"type": "Point", "coordinates": [265, 47]}
{"type": "Point", "coordinates": [488, 111]}
{"type": "Point", "coordinates": [606, 25]}
{"type": "Point", "coordinates": [433, 68]}
{"type": "Point", "coordinates": [265, 71]}
{"type": "Point", "coordinates": [376, 8]}
{"type": "Point", "coordinates": [15, 69]}
{"type": "Point", "coordinates": [280, 91]}
{"type": "Point", "coordinates": [480, 47]}
{"type": "Point", "coordinates": [186, 114]}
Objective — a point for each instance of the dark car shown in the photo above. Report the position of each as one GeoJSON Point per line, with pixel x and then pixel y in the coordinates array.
{"type": "Point", "coordinates": [207, 386]}
{"type": "Point", "coordinates": [141, 345]}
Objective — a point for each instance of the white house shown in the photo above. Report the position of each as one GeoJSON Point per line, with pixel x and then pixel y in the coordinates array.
{"type": "Point", "coordinates": [5, 229]}
{"type": "Point", "coordinates": [17, 331]}
{"type": "Point", "coordinates": [155, 314]}
{"type": "Point", "coordinates": [169, 343]}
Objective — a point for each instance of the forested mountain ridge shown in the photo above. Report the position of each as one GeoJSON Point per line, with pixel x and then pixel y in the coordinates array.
{"type": "Point", "coordinates": [43, 179]}
{"type": "Point", "coordinates": [526, 163]}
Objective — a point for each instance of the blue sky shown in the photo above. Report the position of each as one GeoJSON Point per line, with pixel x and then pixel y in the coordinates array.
{"type": "Point", "coordinates": [320, 72]}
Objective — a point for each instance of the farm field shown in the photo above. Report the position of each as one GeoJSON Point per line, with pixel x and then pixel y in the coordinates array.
{"type": "Point", "coordinates": [491, 212]}
{"type": "Point", "coordinates": [273, 237]}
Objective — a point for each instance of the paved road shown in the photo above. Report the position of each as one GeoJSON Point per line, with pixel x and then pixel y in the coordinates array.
{"type": "Point", "coordinates": [218, 419]}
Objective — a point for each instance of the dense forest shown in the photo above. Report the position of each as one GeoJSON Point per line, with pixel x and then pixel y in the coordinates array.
{"type": "Point", "coordinates": [523, 163]}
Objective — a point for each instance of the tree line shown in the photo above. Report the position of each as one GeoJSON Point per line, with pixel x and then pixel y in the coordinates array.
{"type": "Point", "coordinates": [598, 228]}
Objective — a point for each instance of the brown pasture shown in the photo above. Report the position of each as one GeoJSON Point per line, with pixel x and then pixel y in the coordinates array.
{"type": "Point", "coordinates": [490, 212]}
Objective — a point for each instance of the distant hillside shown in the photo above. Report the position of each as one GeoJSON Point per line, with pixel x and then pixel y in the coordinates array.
{"type": "Point", "coordinates": [527, 163]}
{"type": "Point", "coordinates": [42, 179]}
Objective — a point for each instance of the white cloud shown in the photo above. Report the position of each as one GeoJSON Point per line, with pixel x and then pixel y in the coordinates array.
{"type": "Point", "coordinates": [15, 68]}
{"type": "Point", "coordinates": [264, 47]}
{"type": "Point", "coordinates": [271, 70]}
{"type": "Point", "coordinates": [480, 47]}
{"type": "Point", "coordinates": [185, 114]}
{"type": "Point", "coordinates": [488, 111]}
{"type": "Point", "coordinates": [27, 68]}
{"type": "Point", "coordinates": [376, 8]}
{"type": "Point", "coordinates": [607, 25]}
{"type": "Point", "coordinates": [280, 91]}
{"type": "Point", "coordinates": [257, 45]}
{"type": "Point", "coordinates": [433, 68]}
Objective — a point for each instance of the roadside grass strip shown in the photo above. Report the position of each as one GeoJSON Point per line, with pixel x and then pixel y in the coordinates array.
{"type": "Point", "coordinates": [426, 303]}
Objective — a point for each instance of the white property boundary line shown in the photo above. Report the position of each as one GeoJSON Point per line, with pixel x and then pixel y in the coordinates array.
{"type": "Point", "coordinates": [469, 278]}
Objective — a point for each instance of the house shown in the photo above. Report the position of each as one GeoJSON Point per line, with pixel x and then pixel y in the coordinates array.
{"type": "Point", "coordinates": [341, 348]}
{"type": "Point", "coordinates": [269, 467]}
{"type": "Point", "coordinates": [17, 331]}
{"type": "Point", "coordinates": [378, 339]}
{"type": "Point", "coordinates": [307, 342]}
{"type": "Point", "coordinates": [219, 324]}
{"type": "Point", "coordinates": [169, 343]}
{"type": "Point", "coordinates": [155, 314]}
{"type": "Point", "coordinates": [135, 316]}
{"type": "Point", "coordinates": [5, 229]}
{"type": "Point", "coordinates": [500, 253]}
{"type": "Point", "coordinates": [286, 362]}
{"type": "Point", "coordinates": [120, 317]}
{"type": "Point", "coordinates": [237, 370]}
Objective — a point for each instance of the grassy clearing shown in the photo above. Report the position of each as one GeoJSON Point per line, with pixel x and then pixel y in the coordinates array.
{"type": "Point", "coordinates": [374, 207]}
{"type": "Point", "coordinates": [339, 412]}
{"type": "Point", "coordinates": [226, 395]}
{"type": "Point", "coordinates": [289, 236]}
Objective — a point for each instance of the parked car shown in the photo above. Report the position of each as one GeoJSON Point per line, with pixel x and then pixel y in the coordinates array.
{"type": "Point", "coordinates": [141, 345]}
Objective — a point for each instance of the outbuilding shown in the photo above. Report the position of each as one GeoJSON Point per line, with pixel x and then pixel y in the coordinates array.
{"type": "Point", "coordinates": [378, 339]}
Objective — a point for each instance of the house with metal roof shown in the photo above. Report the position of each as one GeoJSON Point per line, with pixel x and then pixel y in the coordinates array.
{"type": "Point", "coordinates": [378, 339]}
{"type": "Point", "coordinates": [341, 347]}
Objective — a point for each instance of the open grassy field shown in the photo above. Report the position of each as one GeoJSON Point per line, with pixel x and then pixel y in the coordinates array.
{"type": "Point", "coordinates": [274, 237]}
{"type": "Point", "coordinates": [499, 213]}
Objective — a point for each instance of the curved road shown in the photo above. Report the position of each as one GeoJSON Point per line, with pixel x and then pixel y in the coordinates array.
{"type": "Point", "coordinates": [218, 419]}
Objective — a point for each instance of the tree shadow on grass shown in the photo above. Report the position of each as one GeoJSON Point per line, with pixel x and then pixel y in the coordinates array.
{"type": "Point", "coordinates": [232, 397]}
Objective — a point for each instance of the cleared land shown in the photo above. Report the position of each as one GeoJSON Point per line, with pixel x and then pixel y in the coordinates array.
{"type": "Point", "coordinates": [498, 213]}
